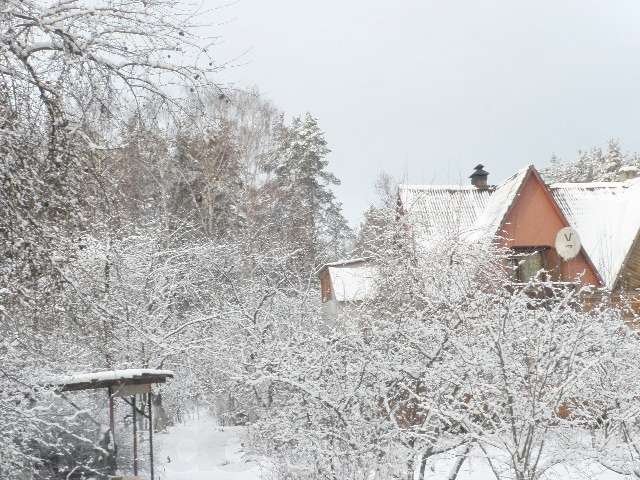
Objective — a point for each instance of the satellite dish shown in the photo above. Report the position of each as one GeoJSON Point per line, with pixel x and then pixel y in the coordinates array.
{"type": "Point", "coordinates": [568, 243]}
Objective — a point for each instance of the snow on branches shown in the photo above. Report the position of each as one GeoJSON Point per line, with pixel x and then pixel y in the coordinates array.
{"type": "Point", "coordinates": [80, 55]}
{"type": "Point", "coordinates": [595, 165]}
{"type": "Point", "coordinates": [447, 356]}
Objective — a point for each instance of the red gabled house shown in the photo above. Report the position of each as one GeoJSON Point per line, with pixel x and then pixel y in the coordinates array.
{"type": "Point", "coordinates": [525, 215]}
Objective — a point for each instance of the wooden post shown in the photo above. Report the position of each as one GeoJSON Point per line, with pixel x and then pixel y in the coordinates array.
{"type": "Point", "coordinates": [135, 437]}
{"type": "Point", "coordinates": [112, 423]}
{"type": "Point", "coordinates": [150, 434]}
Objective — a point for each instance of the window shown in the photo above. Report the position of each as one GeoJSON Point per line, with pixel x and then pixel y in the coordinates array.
{"type": "Point", "coordinates": [527, 262]}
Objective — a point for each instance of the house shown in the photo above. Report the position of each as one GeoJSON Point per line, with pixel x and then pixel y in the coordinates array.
{"type": "Point", "coordinates": [525, 215]}
{"type": "Point", "coordinates": [345, 282]}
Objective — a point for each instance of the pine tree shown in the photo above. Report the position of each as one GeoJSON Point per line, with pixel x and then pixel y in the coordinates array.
{"type": "Point", "coordinates": [613, 160]}
{"type": "Point", "coordinates": [305, 209]}
{"type": "Point", "coordinates": [379, 219]}
{"type": "Point", "coordinates": [593, 165]}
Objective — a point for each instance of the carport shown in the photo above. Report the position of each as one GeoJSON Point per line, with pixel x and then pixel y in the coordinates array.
{"type": "Point", "coordinates": [127, 385]}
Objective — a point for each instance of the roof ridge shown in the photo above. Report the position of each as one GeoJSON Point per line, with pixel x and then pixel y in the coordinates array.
{"type": "Point", "coordinates": [423, 187]}
{"type": "Point", "coordinates": [590, 185]}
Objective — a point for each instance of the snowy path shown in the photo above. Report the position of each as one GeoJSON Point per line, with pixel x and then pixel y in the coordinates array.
{"type": "Point", "coordinates": [200, 450]}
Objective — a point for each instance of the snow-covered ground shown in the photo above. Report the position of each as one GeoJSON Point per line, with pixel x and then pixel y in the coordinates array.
{"type": "Point", "coordinates": [200, 449]}
{"type": "Point", "coordinates": [476, 467]}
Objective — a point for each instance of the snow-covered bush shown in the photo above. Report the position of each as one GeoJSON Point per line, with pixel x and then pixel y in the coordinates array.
{"type": "Point", "coordinates": [446, 354]}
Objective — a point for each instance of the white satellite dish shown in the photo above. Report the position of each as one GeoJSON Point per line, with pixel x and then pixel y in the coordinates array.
{"type": "Point", "coordinates": [568, 243]}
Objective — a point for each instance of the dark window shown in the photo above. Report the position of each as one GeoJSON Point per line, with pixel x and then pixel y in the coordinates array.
{"type": "Point", "coordinates": [527, 262]}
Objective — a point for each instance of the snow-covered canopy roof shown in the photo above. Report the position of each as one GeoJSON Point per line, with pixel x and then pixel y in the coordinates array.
{"type": "Point", "coordinates": [607, 218]}
{"type": "Point", "coordinates": [104, 379]}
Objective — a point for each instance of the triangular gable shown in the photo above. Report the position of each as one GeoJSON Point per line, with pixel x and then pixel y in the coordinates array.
{"type": "Point", "coordinates": [533, 217]}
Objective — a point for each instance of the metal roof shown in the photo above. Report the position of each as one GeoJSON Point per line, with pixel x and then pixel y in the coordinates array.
{"type": "Point", "coordinates": [606, 215]}
{"type": "Point", "coordinates": [443, 209]}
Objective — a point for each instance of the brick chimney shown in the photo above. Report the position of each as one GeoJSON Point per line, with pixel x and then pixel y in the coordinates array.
{"type": "Point", "coordinates": [479, 177]}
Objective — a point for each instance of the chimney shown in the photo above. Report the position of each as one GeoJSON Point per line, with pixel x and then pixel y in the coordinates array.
{"type": "Point", "coordinates": [479, 177]}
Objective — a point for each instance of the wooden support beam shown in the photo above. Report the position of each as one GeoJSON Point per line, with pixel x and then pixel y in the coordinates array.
{"type": "Point", "coordinates": [150, 434]}
{"type": "Point", "coordinates": [135, 436]}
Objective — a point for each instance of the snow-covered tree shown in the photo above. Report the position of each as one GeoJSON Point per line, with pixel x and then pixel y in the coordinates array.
{"type": "Point", "coordinates": [302, 204]}
{"type": "Point", "coordinates": [68, 68]}
{"type": "Point", "coordinates": [378, 218]}
{"type": "Point", "coordinates": [594, 165]}
{"type": "Point", "coordinates": [532, 364]}
{"type": "Point", "coordinates": [69, 73]}
{"type": "Point", "coordinates": [444, 356]}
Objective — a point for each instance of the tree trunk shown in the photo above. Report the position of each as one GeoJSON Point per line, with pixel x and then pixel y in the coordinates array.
{"type": "Point", "coordinates": [459, 461]}
{"type": "Point", "coordinates": [423, 464]}
{"type": "Point", "coordinates": [411, 469]}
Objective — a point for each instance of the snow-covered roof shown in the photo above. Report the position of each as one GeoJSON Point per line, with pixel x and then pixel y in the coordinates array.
{"type": "Point", "coordinates": [347, 261]}
{"type": "Point", "coordinates": [496, 208]}
{"type": "Point", "coordinates": [353, 282]}
{"type": "Point", "coordinates": [465, 210]}
{"type": "Point", "coordinates": [433, 210]}
{"type": "Point", "coordinates": [443, 209]}
{"type": "Point", "coordinates": [607, 218]}
{"type": "Point", "coordinates": [344, 262]}
{"type": "Point", "coordinates": [85, 380]}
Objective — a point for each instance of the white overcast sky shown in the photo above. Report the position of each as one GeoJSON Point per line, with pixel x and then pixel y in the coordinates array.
{"type": "Point", "coordinates": [427, 89]}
